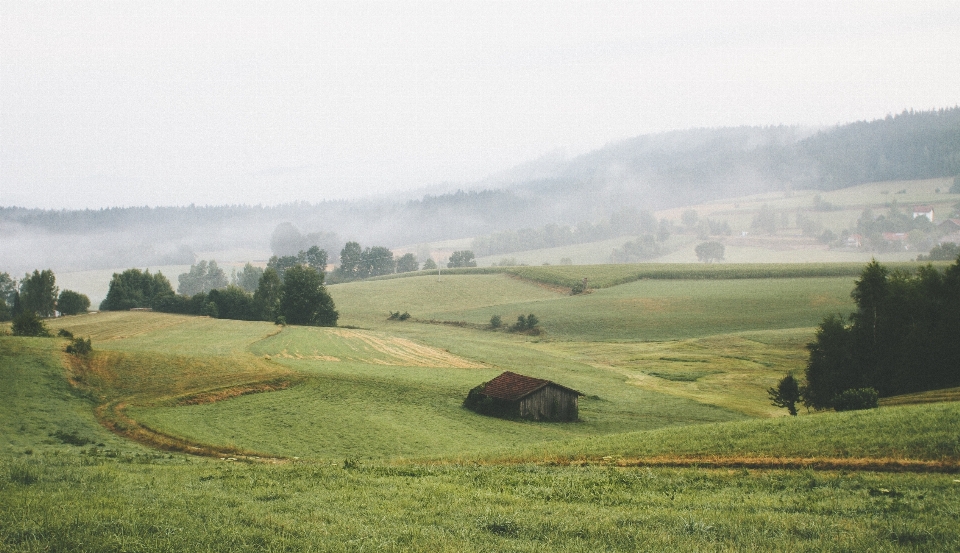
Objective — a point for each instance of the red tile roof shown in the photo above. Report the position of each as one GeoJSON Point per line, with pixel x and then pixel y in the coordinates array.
{"type": "Point", "coordinates": [512, 386]}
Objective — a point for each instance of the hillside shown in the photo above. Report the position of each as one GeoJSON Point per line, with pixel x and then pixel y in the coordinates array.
{"type": "Point", "coordinates": [184, 432]}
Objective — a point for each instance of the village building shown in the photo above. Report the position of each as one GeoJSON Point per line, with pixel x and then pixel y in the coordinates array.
{"type": "Point", "coordinates": [513, 395]}
{"type": "Point", "coordinates": [923, 211]}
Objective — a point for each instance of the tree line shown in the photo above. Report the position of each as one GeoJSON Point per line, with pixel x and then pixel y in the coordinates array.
{"type": "Point", "coordinates": [297, 295]}
{"type": "Point", "coordinates": [627, 221]}
{"type": "Point", "coordinates": [38, 293]}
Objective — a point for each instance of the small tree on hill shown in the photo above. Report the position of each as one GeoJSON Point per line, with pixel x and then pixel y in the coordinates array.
{"type": "Point", "coordinates": [709, 252]}
{"type": "Point", "coordinates": [786, 394]}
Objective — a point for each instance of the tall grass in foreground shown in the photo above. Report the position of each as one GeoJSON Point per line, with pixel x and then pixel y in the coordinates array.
{"type": "Point", "coordinates": [86, 502]}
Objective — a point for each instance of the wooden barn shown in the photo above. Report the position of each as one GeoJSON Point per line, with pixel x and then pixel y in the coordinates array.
{"type": "Point", "coordinates": [514, 395]}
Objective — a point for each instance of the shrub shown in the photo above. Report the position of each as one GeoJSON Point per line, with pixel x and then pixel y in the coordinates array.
{"type": "Point", "coordinates": [521, 323]}
{"type": "Point", "coordinates": [527, 323]}
{"type": "Point", "coordinates": [64, 333]}
{"type": "Point", "coordinates": [404, 316]}
{"type": "Point", "coordinates": [496, 321]}
{"type": "Point", "coordinates": [29, 324]}
{"type": "Point", "coordinates": [856, 398]}
{"type": "Point", "coordinates": [532, 321]}
{"type": "Point", "coordinates": [79, 346]}
{"type": "Point", "coordinates": [578, 288]}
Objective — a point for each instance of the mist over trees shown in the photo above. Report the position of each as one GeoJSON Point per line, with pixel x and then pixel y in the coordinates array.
{"type": "Point", "coordinates": [645, 173]}
{"type": "Point", "coordinates": [202, 277]}
{"type": "Point", "coordinates": [247, 278]}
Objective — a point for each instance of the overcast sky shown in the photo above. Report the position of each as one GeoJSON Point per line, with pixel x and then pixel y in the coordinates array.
{"type": "Point", "coordinates": [171, 103]}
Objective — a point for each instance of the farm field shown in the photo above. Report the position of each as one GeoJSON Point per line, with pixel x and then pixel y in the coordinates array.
{"type": "Point", "coordinates": [354, 438]}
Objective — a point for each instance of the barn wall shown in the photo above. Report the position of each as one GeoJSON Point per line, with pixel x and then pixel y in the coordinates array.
{"type": "Point", "coordinates": [550, 403]}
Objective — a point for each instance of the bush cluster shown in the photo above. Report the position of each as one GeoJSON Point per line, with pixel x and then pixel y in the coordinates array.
{"type": "Point", "coordinates": [80, 347]}
{"type": "Point", "coordinates": [526, 323]}
{"type": "Point", "coordinates": [29, 323]}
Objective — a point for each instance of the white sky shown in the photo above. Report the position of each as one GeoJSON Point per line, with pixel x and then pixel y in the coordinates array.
{"type": "Point", "coordinates": [171, 103]}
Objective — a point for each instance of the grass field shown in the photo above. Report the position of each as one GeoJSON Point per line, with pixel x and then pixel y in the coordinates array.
{"type": "Point", "coordinates": [354, 439]}
{"type": "Point", "coordinates": [68, 484]}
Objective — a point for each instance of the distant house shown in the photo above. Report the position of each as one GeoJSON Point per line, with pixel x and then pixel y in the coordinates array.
{"type": "Point", "coordinates": [895, 236]}
{"type": "Point", "coordinates": [923, 211]}
{"type": "Point", "coordinates": [513, 395]}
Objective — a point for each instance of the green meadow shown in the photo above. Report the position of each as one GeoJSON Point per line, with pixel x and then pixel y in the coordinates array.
{"type": "Point", "coordinates": [193, 433]}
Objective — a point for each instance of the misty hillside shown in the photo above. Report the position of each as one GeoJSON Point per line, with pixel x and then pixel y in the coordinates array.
{"type": "Point", "coordinates": [648, 172]}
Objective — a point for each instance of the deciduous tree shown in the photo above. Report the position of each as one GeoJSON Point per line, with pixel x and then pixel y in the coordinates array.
{"type": "Point", "coordinates": [72, 303]}
{"type": "Point", "coordinates": [407, 263]}
{"type": "Point", "coordinates": [134, 288]}
{"type": "Point", "coordinates": [249, 278]}
{"type": "Point", "coordinates": [38, 293]}
{"type": "Point", "coordinates": [304, 300]}
{"type": "Point", "coordinates": [709, 252]}
{"type": "Point", "coordinates": [202, 277]}
{"type": "Point", "coordinates": [462, 258]}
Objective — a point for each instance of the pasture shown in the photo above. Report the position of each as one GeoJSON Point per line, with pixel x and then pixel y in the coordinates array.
{"type": "Point", "coordinates": [354, 438]}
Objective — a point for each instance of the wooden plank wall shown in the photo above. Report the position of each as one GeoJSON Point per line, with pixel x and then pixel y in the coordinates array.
{"type": "Point", "coordinates": [550, 403]}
